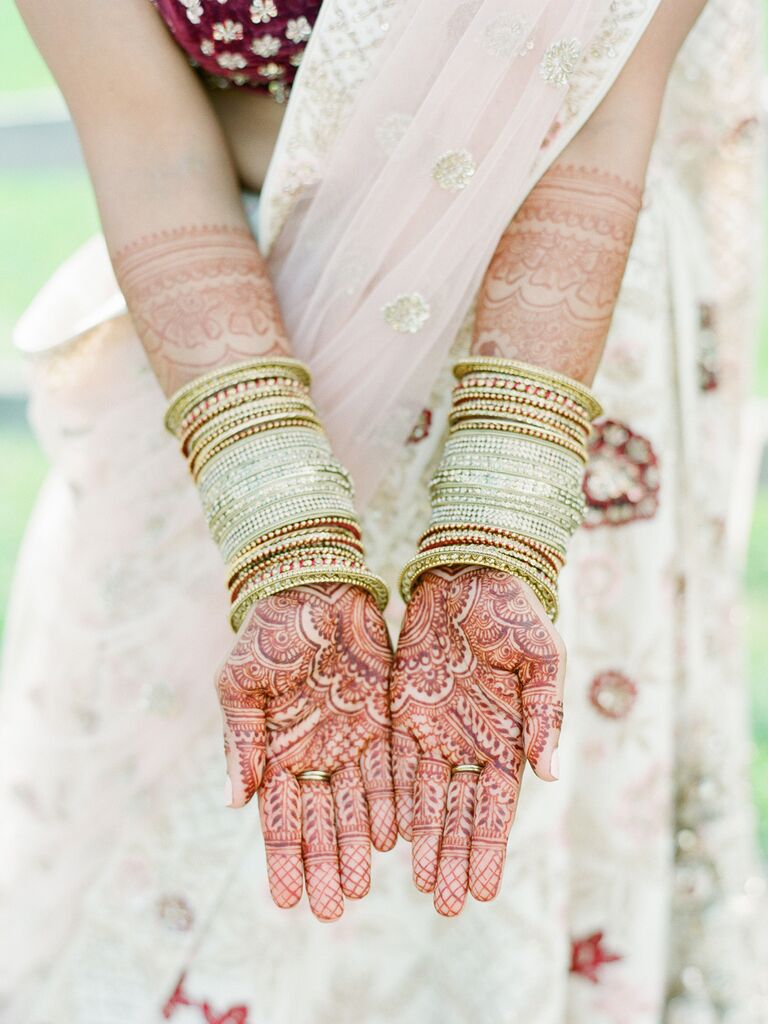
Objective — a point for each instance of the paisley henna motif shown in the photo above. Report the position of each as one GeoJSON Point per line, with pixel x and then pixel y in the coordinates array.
{"type": "Point", "coordinates": [305, 689]}
{"type": "Point", "coordinates": [477, 680]}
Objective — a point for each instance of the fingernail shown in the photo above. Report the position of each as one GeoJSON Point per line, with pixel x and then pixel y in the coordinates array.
{"type": "Point", "coordinates": [228, 794]}
{"type": "Point", "coordinates": [554, 764]}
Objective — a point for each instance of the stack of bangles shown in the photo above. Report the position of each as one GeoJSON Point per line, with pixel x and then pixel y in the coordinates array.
{"type": "Point", "coordinates": [507, 493]}
{"type": "Point", "coordinates": [278, 504]}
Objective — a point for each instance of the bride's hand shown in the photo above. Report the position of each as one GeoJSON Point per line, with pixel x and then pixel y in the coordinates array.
{"type": "Point", "coordinates": [477, 681]}
{"type": "Point", "coordinates": [305, 689]}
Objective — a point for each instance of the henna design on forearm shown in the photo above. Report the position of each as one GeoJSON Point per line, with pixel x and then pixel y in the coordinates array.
{"type": "Point", "coordinates": [549, 293]}
{"type": "Point", "coordinates": [477, 680]}
{"type": "Point", "coordinates": [305, 689]}
{"type": "Point", "coordinates": [200, 297]}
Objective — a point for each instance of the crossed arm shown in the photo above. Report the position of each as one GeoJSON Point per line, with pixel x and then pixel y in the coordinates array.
{"type": "Point", "coordinates": [306, 685]}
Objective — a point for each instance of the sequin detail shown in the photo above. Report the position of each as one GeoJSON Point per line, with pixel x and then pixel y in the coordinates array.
{"type": "Point", "coordinates": [228, 31]}
{"type": "Point", "coordinates": [266, 46]}
{"type": "Point", "coordinates": [231, 61]}
{"type": "Point", "coordinates": [194, 10]}
{"type": "Point", "coordinates": [613, 694]}
{"type": "Point", "coordinates": [454, 170]}
{"type": "Point", "coordinates": [262, 11]}
{"type": "Point", "coordinates": [508, 36]}
{"type": "Point", "coordinates": [298, 30]}
{"type": "Point", "coordinates": [621, 483]}
{"type": "Point", "coordinates": [407, 313]}
{"type": "Point", "coordinates": [560, 61]}
{"type": "Point", "coordinates": [175, 913]}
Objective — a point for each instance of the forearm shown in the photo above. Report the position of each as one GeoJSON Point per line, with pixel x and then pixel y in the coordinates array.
{"type": "Point", "coordinates": [549, 293]}
{"type": "Point", "coordinates": [193, 278]}
{"type": "Point", "coordinates": [199, 292]}
{"type": "Point", "coordinates": [168, 196]}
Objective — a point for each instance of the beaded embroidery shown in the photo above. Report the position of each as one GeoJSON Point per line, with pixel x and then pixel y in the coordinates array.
{"type": "Point", "coordinates": [256, 44]}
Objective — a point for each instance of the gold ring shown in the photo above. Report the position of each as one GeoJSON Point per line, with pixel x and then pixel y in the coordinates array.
{"type": "Point", "coordinates": [314, 777]}
{"type": "Point", "coordinates": [466, 769]}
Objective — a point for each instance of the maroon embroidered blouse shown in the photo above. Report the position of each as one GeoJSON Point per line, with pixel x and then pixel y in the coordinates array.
{"type": "Point", "coordinates": [257, 44]}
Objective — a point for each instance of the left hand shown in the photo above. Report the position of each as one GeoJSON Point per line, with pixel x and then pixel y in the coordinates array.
{"type": "Point", "coordinates": [478, 680]}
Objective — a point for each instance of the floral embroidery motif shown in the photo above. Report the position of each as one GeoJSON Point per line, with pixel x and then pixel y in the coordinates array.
{"type": "Point", "coordinates": [508, 36]}
{"type": "Point", "coordinates": [407, 313]}
{"type": "Point", "coordinates": [588, 955]}
{"type": "Point", "coordinates": [613, 694]}
{"type": "Point", "coordinates": [194, 10]}
{"type": "Point", "coordinates": [560, 60]}
{"type": "Point", "coordinates": [271, 70]}
{"type": "Point", "coordinates": [265, 46]}
{"type": "Point", "coordinates": [234, 1015]}
{"type": "Point", "coordinates": [232, 61]}
{"type": "Point", "coordinates": [621, 483]}
{"type": "Point", "coordinates": [228, 31]}
{"type": "Point", "coordinates": [298, 30]}
{"type": "Point", "coordinates": [422, 428]}
{"type": "Point", "coordinates": [454, 170]}
{"type": "Point", "coordinates": [262, 11]}
{"type": "Point", "coordinates": [175, 913]}
{"type": "Point", "coordinates": [260, 43]}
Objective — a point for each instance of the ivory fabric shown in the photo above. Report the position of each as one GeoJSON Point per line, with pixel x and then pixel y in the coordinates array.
{"type": "Point", "coordinates": [633, 893]}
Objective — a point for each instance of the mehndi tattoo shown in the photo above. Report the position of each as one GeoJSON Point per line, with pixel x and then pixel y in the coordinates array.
{"type": "Point", "coordinates": [477, 680]}
{"type": "Point", "coordinates": [200, 297]}
{"type": "Point", "coordinates": [305, 689]}
{"type": "Point", "coordinates": [550, 290]}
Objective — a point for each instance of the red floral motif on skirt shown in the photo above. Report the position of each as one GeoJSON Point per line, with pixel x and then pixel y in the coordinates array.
{"type": "Point", "coordinates": [422, 428]}
{"type": "Point", "coordinates": [621, 483]}
{"type": "Point", "coordinates": [588, 956]}
{"type": "Point", "coordinates": [234, 1015]}
{"type": "Point", "coordinates": [612, 694]}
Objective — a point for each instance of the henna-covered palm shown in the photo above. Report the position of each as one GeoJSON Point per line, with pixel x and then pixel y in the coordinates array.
{"type": "Point", "coordinates": [477, 680]}
{"type": "Point", "coordinates": [305, 689]}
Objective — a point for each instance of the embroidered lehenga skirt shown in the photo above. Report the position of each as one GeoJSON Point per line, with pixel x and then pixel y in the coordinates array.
{"type": "Point", "coordinates": [632, 893]}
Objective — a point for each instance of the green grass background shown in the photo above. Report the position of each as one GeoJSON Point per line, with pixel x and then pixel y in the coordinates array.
{"type": "Point", "coordinates": [45, 214]}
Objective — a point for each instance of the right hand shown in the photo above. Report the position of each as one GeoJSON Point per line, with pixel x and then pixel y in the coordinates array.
{"type": "Point", "coordinates": [305, 689]}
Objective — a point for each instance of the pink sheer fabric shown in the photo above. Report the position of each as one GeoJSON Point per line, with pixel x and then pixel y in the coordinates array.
{"type": "Point", "coordinates": [376, 269]}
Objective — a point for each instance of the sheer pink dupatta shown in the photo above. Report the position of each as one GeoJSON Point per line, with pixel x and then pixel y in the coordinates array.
{"type": "Point", "coordinates": [407, 147]}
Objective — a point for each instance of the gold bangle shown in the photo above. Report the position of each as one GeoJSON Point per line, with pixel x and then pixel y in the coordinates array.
{"type": "Point", "coordinates": [571, 411]}
{"type": "Point", "coordinates": [579, 451]}
{"type": "Point", "coordinates": [492, 533]}
{"type": "Point", "coordinates": [467, 556]}
{"type": "Point", "coordinates": [517, 414]}
{"type": "Point", "coordinates": [203, 459]}
{"type": "Point", "coordinates": [373, 584]}
{"type": "Point", "coordinates": [558, 381]}
{"type": "Point", "coordinates": [237, 395]}
{"type": "Point", "coordinates": [224, 376]}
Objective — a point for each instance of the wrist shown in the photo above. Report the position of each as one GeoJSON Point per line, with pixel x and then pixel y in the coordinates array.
{"type": "Point", "coordinates": [278, 503]}
{"type": "Point", "coordinates": [508, 493]}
